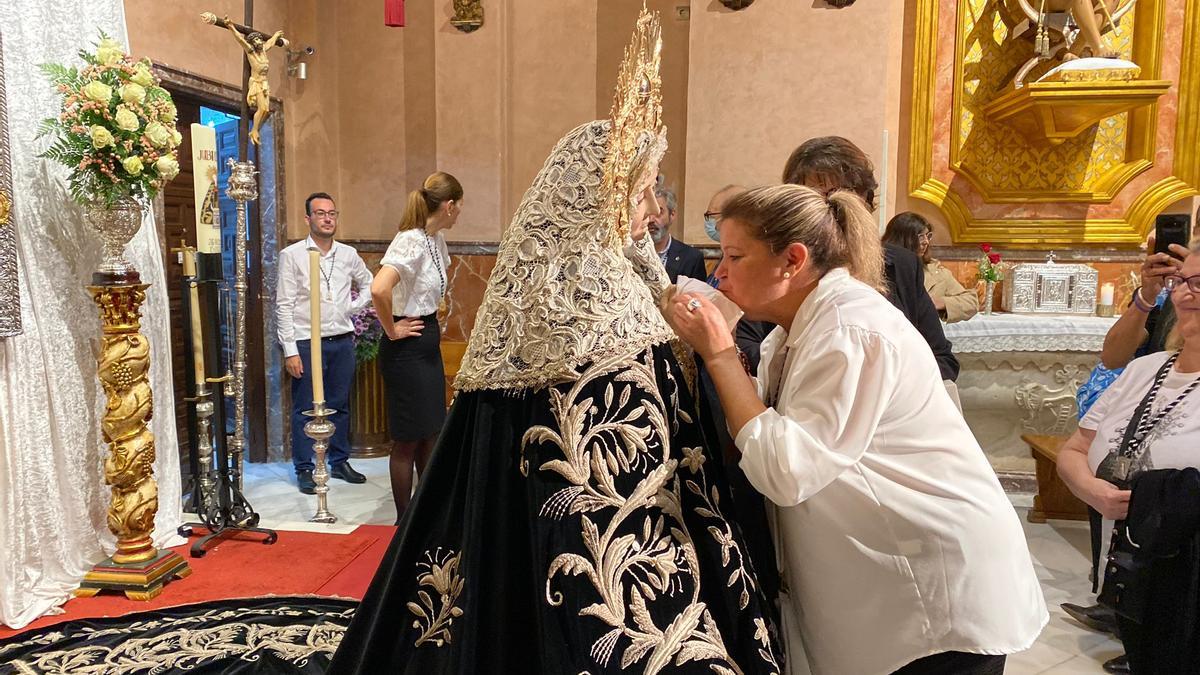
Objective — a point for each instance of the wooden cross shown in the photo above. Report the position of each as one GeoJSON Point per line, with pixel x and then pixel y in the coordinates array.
{"type": "Point", "coordinates": [256, 91]}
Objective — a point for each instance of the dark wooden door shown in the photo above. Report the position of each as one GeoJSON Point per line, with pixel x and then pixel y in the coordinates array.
{"type": "Point", "coordinates": [179, 224]}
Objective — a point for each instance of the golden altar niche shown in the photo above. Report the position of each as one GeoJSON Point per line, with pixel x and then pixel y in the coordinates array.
{"type": "Point", "coordinates": [1029, 165]}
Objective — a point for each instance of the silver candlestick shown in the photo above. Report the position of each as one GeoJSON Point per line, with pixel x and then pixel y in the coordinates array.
{"type": "Point", "coordinates": [243, 188]}
{"type": "Point", "coordinates": [320, 429]}
{"type": "Point", "coordinates": [208, 508]}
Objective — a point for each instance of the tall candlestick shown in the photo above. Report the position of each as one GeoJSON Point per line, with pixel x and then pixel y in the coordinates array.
{"type": "Point", "coordinates": [314, 303]}
{"type": "Point", "coordinates": [189, 270]}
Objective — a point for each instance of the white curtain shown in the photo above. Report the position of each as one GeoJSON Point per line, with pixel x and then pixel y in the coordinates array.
{"type": "Point", "coordinates": [52, 497]}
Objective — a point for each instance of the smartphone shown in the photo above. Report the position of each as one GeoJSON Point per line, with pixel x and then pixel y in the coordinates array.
{"type": "Point", "coordinates": [1171, 229]}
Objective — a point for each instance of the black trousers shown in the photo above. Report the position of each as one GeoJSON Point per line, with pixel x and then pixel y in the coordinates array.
{"type": "Point", "coordinates": [955, 663]}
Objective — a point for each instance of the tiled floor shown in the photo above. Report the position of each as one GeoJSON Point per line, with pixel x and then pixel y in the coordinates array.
{"type": "Point", "coordinates": [1060, 554]}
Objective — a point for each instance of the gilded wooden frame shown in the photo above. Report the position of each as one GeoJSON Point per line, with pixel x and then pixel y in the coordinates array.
{"type": "Point", "coordinates": [1042, 232]}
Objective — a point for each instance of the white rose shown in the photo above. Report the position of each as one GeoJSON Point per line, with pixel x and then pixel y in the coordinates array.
{"type": "Point", "coordinates": [109, 52]}
{"type": "Point", "coordinates": [133, 165]}
{"type": "Point", "coordinates": [126, 119]}
{"type": "Point", "coordinates": [158, 134]}
{"type": "Point", "coordinates": [133, 93]}
{"type": "Point", "coordinates": [101, 137]}
{"type": "Point", "coordinates": [167, 167]}
{"type": "Point", "coordinates": [97, 91]}
{"type": "Point", "coordinates": [168, 113]}
{"type": "Point", "coordinates": [176, 138]}
{"type": "Point", "coordinates": [142, 76]}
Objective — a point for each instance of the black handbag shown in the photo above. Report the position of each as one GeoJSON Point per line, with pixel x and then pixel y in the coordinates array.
{"type": "Point", "coordinates": [1127, 577]}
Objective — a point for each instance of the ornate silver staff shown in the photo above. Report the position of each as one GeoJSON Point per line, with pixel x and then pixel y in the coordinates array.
{"type": "Point", "coordinates": [243, 188]}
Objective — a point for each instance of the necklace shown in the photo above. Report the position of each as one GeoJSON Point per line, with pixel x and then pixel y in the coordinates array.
{"type": "Point", "coordinates": [434, 254]}
{"type": "Point", "coordinates": [328, 276]}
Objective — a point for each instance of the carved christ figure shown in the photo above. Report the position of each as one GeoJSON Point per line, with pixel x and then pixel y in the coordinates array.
{"type": "Point", "coordinates": [258, 90]}
{"type": "Point", "coordinates": [1091, 16]}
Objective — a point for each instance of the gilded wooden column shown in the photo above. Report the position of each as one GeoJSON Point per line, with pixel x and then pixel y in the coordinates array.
{"type": "Point", "coordinates": [137, 568]}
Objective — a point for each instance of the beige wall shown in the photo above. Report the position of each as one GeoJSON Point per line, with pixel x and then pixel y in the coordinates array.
{"type": "Point", "coordinates": [800, 70]}
{"type": "Point", "coordinates": [383, 107]}
{"type": "Point", "coordinates": [171, 32]}
{"type": "Point", "coordinates": [614, 23]}
{"type": "Point", "coordinates": [470, 83]}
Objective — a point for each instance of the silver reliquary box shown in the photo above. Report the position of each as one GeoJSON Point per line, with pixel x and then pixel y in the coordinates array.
{"type": "Point", "coordinates": [1051, 288]}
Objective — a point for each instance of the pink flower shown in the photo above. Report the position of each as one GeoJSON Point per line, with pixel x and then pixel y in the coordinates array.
{"type": "Point", "coordinates": [994, 258]}
{"type": "Point", "coordinates": [986, 248]}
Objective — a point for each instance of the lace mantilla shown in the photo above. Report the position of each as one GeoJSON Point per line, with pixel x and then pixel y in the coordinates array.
{"type": "Point", "coordinates": [562, 293]}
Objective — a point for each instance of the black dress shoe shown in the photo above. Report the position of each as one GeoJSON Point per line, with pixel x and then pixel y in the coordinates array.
{"type": "Point", "coordinates": [347, 473]}
{"type": "Point", "coordinates": [306, 483]}
{"type": "Point", "coordinates": [1097, 617]}
{"type": "Point", "coordinates": [1119, 664]}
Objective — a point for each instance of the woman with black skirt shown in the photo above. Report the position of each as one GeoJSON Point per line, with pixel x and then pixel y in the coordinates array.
{"type": "Point", "coordinates": [408, 291]}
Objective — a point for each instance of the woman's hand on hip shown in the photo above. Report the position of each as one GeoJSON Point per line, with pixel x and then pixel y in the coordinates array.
{"type": "Point", "coordinates": [699, 323]}
{"type": "Point", "coordinates": [1111, 501]}
{"type": "Point", "coordinates": [405, 328]}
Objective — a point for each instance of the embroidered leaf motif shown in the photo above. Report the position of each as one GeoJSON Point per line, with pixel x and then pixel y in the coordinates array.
{"type": "Point", "coordinates": [439, 571]}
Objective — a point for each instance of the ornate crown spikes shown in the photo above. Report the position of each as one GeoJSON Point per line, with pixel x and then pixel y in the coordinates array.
{"type": "Point", "coordinates": [636, 114]}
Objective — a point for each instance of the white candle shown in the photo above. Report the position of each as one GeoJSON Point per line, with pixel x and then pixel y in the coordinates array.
{"type": "Point", "coordinates": [189, 270]}
{"type": "Point", "coordinates": [314, 303]}
{"type": "Point", "coordinates": [1106, 294]}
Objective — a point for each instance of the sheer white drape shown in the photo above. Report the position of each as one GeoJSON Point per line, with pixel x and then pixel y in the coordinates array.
{"type": "Point", "coordinates": [52, 497]}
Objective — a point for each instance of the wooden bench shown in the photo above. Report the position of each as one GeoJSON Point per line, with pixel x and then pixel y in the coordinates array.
{"type": "Point", "coordinates": [1053, 500]}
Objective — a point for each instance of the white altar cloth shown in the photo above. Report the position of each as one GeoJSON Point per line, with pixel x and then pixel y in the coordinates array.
{"type": "Point", "coordinates": [985, 333]}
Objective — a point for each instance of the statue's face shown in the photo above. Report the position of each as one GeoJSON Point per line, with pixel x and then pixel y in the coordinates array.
{"type": "Point", "coordinates": [257, 40]}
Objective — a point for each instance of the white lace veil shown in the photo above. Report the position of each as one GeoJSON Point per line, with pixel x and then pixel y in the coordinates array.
{"type": "Point", "coordinates": [562, 293]}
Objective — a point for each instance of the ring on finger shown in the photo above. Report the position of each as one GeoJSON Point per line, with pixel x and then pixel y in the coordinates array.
{"type": "Point", "coordinates": [693, 305]}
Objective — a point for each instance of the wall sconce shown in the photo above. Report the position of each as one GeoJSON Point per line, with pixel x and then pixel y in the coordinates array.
{"type": "Point", "coordinates": [468, 15]}
{"type": "Point", "coordinates": [736, 5]}
{"type": "Point", "coordinates": [296, 66]}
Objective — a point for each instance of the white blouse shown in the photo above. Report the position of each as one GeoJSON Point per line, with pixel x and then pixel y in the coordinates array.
{"type": "Point", "coordinates": [423, 264]}
{"type": "Point", "coordinates": [1173, 443]}
{"type": "Point", "coordinates": [895, 538]}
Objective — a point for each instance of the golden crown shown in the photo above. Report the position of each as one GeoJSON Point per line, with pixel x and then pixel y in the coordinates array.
{"type": "Point", "coordinates": [636, 115]}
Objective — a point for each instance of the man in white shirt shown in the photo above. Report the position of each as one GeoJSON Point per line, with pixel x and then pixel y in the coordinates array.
{"type": "Point", "coordinates": [341, 269]}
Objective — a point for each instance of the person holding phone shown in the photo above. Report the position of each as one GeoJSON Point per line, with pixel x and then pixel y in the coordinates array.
{"type": "Point", "coordinates": [1143, 329]}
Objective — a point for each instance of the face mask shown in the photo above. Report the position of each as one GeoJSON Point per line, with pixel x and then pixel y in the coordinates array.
{"type": "Point", "coordinates": [710, 227]}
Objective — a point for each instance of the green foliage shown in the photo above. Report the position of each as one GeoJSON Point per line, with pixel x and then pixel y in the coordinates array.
{"type": "Point", "coordinates": [115, 131]}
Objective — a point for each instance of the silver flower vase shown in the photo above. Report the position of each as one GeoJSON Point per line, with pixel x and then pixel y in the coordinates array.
{"type": "Point", "coordinates": [989, 296]}
{"type": "Point", "coordinates": [116, 224]}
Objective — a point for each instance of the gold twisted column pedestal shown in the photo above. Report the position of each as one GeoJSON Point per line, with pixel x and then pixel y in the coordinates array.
{"type": "Point", "coordinates": [137, 568]}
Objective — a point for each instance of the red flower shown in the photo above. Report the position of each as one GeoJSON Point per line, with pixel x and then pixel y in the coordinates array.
{"type": "Point", "coordinates": [994, 258]}
{"type": "Point", "coordinates": [986, 248]}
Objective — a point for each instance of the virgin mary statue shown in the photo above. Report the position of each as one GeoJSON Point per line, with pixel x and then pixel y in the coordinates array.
{"type": "Point", "coordinates": [572, 517]}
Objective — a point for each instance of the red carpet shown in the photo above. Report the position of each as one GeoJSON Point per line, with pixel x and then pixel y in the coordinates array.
{"type": "Point", "coordinates": [299, 563]}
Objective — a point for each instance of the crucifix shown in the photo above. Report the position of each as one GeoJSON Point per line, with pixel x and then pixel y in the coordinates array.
{"type": "Point", "coordinates": [255, 87]}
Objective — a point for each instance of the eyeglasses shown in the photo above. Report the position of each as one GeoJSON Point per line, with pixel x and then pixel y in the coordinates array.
{"type": "Point", "coordinates": [925, 236]}
{"type": "Point", "coordinates": [712, 214]}
{"type": "Point", "coordinates": [1174, 281]}
{"type": "Point", "coordinates": [323, 214]}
